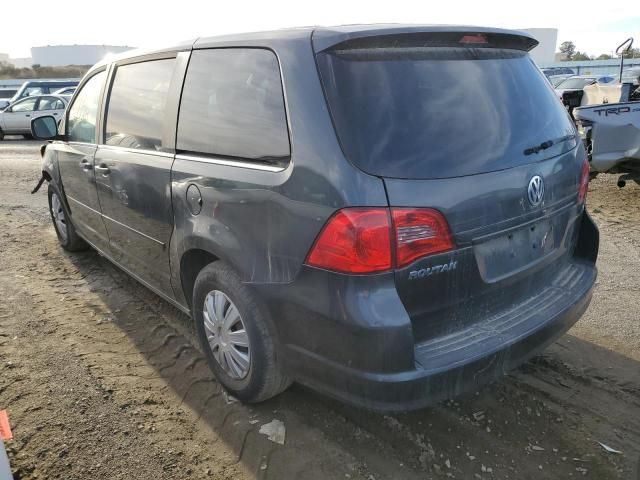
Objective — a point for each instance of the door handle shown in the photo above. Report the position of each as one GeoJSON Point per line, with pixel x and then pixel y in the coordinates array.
{"type": "Point", "coordinates": [102, 168]}
{"type": "Point", "coordinates": [55, 114]}
{"type": "Point", "coordinates": [84, 163]}
{"type": "Point", "coordinates": [27, 115]}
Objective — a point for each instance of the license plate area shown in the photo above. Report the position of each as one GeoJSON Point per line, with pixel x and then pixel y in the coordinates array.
{"type": "Point", "coordinates": [518, 249]}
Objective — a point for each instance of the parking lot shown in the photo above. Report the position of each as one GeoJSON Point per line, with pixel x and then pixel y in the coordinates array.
{"type": "Point", "coordinates": [101, 378]}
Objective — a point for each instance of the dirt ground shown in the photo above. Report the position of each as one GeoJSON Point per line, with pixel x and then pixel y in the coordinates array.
{"type": "Point", "coordinates": [101, 379]}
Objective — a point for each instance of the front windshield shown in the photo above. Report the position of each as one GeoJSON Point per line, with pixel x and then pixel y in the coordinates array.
{"type": "Point", "coordinates": [577, 83]}
{"type": "Point", "coordinates": [556, 81]}
{"type": "Point", "coordinates": [631, 76]}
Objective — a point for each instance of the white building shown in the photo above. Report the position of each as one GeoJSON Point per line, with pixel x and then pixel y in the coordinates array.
{"type": "Point", "coordinates": [546, 50]}
{"type": "Point", "coordinates": [24, 62]}
{"type": "Point", "coordinates": [61, 55]}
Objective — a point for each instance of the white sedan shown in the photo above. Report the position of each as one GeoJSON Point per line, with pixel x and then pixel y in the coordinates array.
{"type": "Point", "coordinates": [16, 118]}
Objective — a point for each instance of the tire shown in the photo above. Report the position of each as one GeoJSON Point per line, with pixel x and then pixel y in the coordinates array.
{"type": "Point", "coordinates": [1, 135]}
{"type": "Point", "coordinates": [67, 236]}
{"type": "Point", "coordinates": [27, 136]}
{"type": "Point", "coordinates": [264, 377]}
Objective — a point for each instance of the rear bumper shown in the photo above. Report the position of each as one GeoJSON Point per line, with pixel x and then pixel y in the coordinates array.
{"type": "Point", "coordinates": [422, 385]}
{"type": "Point", "coordinates": [351, 338]}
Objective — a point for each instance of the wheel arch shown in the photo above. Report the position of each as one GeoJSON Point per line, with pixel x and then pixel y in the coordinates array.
{"type": "Point", "coordinates": [50, 169]}
{"type": "Point", "coordinates": [192, 262]}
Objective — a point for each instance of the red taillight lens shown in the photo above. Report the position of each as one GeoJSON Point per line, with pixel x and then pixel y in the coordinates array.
{"type": "Point", "coordinates": [361, 240]}
{"type": "Point", "coordinates": [354, 240]}
{"type": "Point", "coordinates": [584, 182]}
{"type": "Point", "coordinates": [419, 232]}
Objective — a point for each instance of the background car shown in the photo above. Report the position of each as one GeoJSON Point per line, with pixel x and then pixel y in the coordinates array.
{"type": "Point", "coordinates": [631, 75]}
{"type": "Point", "coordinates": [16, 118]}
{"type": "Point", "coordinates": [606, 79]}
{"type": "Point", "coordinates": [5, 96]}
{"type": "Point", "coordinates": [558, 79]}
{"type": "Point", "coordinates": [553, 71]}
{"type": "Point", "coordinates": [576, 82]}
{"type": "Point", "coordinates": [65, 91]}
{"type": "Point", "coordinates": [41, 87]}
{"type": "Point", "coordinates": [570, 90]}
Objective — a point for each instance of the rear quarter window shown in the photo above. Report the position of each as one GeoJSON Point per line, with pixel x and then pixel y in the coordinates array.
{"type": "Point", "coordinates": [232, 106]}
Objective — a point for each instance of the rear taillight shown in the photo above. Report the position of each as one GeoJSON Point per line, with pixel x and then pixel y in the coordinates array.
{"type": "Point", "coordinates": [354, 240]}
{"type": "Point", "coordinates": [362, 240]}
{"type": "Point", "coordinates": [419, 232]}
{"type": "Point", "coordinates": [584, 182]}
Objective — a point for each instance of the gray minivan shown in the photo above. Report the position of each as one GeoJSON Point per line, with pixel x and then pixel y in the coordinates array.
{"type": "Point", "coordinates": [390, 215]}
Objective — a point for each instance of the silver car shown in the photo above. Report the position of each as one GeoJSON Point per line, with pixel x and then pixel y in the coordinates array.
{"type": "Point", "coordinates": [16, 118]}
{"type": "Point", "coordinates": [65, 91]}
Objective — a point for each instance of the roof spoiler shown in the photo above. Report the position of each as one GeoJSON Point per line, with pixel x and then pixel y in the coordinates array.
{"type": "Point", "coordinates": [436, 36]}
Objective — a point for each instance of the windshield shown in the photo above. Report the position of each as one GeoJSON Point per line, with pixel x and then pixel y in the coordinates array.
{"type": "Point", "coordinates": [555, 81]}
{"type": "Point", "coordinates": [436, 112]}
{"type": "Point", "coordinates": [631, 76]}
{"type": "Point", "coordinates": [577, 83]}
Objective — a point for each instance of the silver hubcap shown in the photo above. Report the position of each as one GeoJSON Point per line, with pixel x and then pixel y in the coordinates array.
{"type": "Point", "coordinates": [58, 216]}
{"type": "Point", "coordinates": [226, 334]}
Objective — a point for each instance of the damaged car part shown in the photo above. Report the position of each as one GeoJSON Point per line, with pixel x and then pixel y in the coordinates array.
{"type": "Point", "coordinates": [328, 213]}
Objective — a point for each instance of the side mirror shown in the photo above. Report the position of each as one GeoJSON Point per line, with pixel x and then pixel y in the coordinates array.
{"type": "Point", "coordinates": [44, 128]}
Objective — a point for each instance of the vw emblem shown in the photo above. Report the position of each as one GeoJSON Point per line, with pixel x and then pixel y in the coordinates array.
{"type": "Point", "coordinates": [535, 190]}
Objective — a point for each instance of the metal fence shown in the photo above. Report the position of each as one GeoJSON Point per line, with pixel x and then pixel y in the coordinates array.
{"type": "Point", "coordinates": [595, 67]}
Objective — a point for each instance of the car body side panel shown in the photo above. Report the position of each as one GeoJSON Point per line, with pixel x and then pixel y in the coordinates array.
{"type": "Point", "coordinates": [17, 123]}
{"type": "Point", "coordinates": [135, 198]}
{"type": "Point", "coordinates": [134, 188]}
{"type": "Point", "coordinates": [75, 161]}
{"type": "Point", "coordinates": [264, 222]}
{"type": "Point", "coordinates": [615, 133]}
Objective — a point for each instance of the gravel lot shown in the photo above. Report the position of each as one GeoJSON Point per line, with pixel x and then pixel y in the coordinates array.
{"type": "Point", "coordinates": [101, 379]}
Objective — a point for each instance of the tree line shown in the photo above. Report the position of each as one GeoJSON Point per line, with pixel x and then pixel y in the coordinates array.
{"type": "Point", "coordinates": [572, 53]}
{"type": "Point", "coordinates": [8, 70]}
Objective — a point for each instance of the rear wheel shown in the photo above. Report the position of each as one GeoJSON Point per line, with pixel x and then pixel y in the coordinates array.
{"type": "Point", "coordinates": [1, 135]}
{"type": "Point", "coordinates": [236, 335]}
{"type": "Point", "coordinates": [67, 236]}
{"type": "Point", "coordinates": [27, 136]}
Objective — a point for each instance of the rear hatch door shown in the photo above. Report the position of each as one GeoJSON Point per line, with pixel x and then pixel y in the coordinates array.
{"type": "Point", "coordinates": [466, 124]}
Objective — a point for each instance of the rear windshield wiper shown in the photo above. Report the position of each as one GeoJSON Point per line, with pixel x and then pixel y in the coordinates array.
{"type": "Point", "coordinates": [548, 144]}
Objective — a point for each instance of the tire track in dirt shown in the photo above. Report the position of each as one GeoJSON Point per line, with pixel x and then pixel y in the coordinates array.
{"type": "Point", "coordinates": [140, 363]}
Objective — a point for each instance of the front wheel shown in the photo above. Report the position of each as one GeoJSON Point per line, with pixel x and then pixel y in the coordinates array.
{"type": "Point", "coordinates": [236, 336]}
{"type": "Point", "coordinates": [66, 232]}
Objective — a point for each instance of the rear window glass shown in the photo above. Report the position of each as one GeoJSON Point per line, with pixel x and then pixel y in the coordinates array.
{"type": "Point", "coordinates": [135, 113]}
{"type": "Point", "coordinates": [436, 112]}
{"type": "Point", "coordinates": [232, 106]}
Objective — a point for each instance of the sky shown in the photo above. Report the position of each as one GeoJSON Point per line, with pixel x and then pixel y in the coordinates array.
{"type": "Point", "coordinates": [144, 23]}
